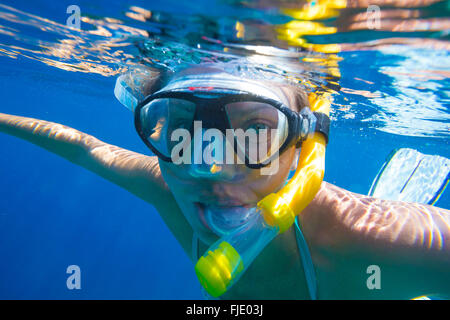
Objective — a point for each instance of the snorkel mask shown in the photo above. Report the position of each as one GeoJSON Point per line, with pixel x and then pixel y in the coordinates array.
{"type": "Point", "coordinates": [225, 103]}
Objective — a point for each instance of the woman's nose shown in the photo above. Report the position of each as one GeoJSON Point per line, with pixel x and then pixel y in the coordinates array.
{"type": "Point", "coordinates": [208, 157]}
{"type": "Point", "coordinates": [213, 171]}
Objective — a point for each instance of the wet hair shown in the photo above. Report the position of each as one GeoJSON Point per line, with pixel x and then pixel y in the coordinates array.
{"type": "Point", "coordinates": [295, 96]}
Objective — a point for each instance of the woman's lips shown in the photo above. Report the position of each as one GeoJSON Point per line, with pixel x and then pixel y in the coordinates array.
{"type": "Point", "coordinates": [201, 213]}
{"type": "Point", "coordinates": [224, 218]}
{"type": "Point", "coordinates": [222, 202]}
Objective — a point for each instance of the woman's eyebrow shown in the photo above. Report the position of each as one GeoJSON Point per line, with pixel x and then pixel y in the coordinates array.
{"type": "Point", "coordinates": [180, 110]}
{"type": "Point", "coordinates": [247, 106]}
{"type": "Point", "coordinates": [255, 109]}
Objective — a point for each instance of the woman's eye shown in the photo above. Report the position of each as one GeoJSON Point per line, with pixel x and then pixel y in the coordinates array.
{"type": "Point", "coordinates": [258, 126]}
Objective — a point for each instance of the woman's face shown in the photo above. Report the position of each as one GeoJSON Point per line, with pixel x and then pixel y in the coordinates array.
{"type": "Point", "coordinates": [228, 189]}
{"type": "Point", "coordinates": [234, 187]}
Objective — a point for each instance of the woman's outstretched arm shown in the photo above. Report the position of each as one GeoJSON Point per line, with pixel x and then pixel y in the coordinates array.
{"type": "Point", "coordinates": [137, 173]}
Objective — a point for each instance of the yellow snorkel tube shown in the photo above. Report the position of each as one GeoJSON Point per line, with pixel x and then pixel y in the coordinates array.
{"type": "Point", "coordinates": [226, 260]}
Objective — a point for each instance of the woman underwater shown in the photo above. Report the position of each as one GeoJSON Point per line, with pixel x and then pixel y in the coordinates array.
{"type": "Point", "coordinates": [345, 232]}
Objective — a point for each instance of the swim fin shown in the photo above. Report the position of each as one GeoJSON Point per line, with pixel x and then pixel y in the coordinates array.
{"type": "Point", "coordinates": [408, 175]}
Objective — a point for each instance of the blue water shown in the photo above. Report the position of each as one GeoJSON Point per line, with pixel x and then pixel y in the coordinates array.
{"type": "Point", "coordinates": [54, 214]}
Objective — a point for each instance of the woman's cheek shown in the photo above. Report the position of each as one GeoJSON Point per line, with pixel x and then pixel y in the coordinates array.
{"type": "Point", "coordinates": [169, 173]}
{"type": "Point", "coordinates": [273, 182]}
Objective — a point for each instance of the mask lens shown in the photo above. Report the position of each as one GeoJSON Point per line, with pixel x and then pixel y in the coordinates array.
{"type": "Point", "coordinates": [160, 118]}
{"type": "Point", "coordinates": [260, 129]}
